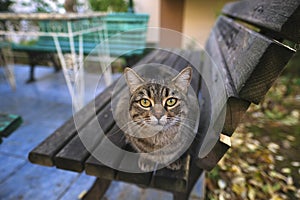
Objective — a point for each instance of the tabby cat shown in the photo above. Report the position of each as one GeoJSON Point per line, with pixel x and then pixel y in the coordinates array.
{"type": "Point", "coordinates": [157, 110]}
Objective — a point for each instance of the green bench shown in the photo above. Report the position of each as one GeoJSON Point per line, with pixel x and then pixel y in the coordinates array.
{"type": "Point", "coordinates": [249, 62]}
{"type": "Point", "coordinates": [126, 33]}
{"type": "Point", "coordinates": [8, 124]}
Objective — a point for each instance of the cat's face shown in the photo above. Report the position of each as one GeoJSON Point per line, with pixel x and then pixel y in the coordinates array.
{"type": "Point", "coordinates": [158, 106]}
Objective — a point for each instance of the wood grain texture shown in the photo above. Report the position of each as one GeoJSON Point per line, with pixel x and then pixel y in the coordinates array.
{"type": "Point", "coordinates": [214, 156]}
{"type": "Point", "coordinates": [254, 61]}
{"type": "Point", "coordinates": [280, 18]}
{"type": "Point", "coordinates": [93, 166]}
{"type": "Point", "coordinates": [44, 153]}
{"type": "Point", "coordinates": [170, 180]}
{"type": "Point", "coordinates": [235, 111]}
{"type": "Point", "coordinates": [73, 154]}
{"type": "Point", "coordinates": [97, 190]}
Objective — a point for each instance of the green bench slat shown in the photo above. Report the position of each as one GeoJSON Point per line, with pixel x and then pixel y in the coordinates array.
{"type": "Point", "coordinates": [9, 123]}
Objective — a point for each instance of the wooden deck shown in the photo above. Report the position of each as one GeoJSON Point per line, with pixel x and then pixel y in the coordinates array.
{"type": "Point", "coordinates": [44, 106]}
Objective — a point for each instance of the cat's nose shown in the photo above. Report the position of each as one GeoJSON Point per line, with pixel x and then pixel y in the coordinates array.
{"type": "Point", "coordinates": [158, 111]}
{"type": "Point", "coordinates": [158, 115]}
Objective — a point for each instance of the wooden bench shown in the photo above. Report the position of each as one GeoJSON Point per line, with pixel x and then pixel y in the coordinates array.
{"type": "Point", "coordinates": [246, 45]}
{"type": "Point", "coordinates": [126, 33]}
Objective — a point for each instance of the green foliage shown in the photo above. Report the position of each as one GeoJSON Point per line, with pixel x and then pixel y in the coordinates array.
{"type": "Point", "coordinates": [109, 5]}
{"type": "Point", "coordinates": [4, 5]}
{"type": "Point", "coordinates": [39, 6]}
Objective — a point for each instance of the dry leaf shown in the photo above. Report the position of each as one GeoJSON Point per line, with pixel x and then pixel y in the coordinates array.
{"type": "Point", "coordinates": [286, 170]}
{"type": "Point", "coordinates": [295, 164]}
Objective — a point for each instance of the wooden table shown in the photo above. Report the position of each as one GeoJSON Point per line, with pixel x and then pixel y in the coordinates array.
{"type": "Point", "coordinates": [56, 25]}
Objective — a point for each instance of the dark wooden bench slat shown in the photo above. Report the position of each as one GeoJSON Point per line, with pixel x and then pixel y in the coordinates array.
{"type": "Point", "coordinates": [164, 178]}
{"type": "Point", "coordinates": [236, 51]}
{"type": "Point", "coordinates": [250, 57]}
{"type": "Point", "coordinates": [197, 63]}
{"type": "Point", "coordinates": [44, 153]}
{"type": "Point", "coordinates": [173, 180]}
{"type": "Point", "coordinates": [94, 167]}
{"type": "Point", "coordinates": [235, 107]}
{"type": "Point", "coordinates": [281, 18]}
{"type": "Point", "coordinates": [73, 155]}
{"type": "Point", "coordinates": [215, 155]}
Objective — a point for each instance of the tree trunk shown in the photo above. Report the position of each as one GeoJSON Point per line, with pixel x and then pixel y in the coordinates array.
{"type": "Point", "coordinates": [70, 5]}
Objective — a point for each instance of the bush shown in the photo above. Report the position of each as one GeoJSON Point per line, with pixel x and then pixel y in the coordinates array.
{"type": "Point", "coordinates": [109, 5]}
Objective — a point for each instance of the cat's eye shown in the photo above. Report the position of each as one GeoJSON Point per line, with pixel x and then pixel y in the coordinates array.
{"type": "Point", "coordinates": [171, 102]}
{"type": "Point", "coordinates": [145, 103]}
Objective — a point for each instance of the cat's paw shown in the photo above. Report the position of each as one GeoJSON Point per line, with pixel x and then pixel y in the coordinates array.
{"type": "Point", "coordinates": [175, 165]}
{"type": "Point", "coordinates": [146, 165]}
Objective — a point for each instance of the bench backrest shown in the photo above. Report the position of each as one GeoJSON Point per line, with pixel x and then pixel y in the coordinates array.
{"type": "Point", "coordinates": [247, 46]}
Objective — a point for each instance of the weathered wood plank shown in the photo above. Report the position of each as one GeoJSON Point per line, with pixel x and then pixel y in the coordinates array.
{"type": "Point", "coordinates": [235, 111]}
{"type": "Point", "coordinates": [98, 189]}
{"type": "Point", "coordinates": [214, 156]}
{"type": "Point", "coordinates": [246, 60]}
{"type": "Point", "coordinates": [164, 178]}
{"type": "Point", "coordinates": [94, 167]}
{"type": "Point", "coordinates": [235, 107]}
{"type": "Point", "coordinates": [196, 62]}
{"type": "Point", "coordinates": [170, 180]}
{"type": "Point", "coordinates": [44, 153]}
{"type": "Point", "coordinates": [73, 154]}
{"type": "Point", "coordinates": [254, 61]}
{"type": "Point", "coordinates": [281, 18]}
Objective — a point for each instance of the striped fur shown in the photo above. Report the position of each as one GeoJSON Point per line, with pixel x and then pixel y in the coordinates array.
{"type": "Point", "coordinates": [156, 127]}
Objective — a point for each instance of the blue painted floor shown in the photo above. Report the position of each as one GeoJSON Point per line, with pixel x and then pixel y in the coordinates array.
{"type": "Point", "coordinates": [44, 105]}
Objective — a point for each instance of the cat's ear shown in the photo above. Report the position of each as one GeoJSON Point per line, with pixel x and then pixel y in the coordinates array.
{"type": "Point", "coordinates": [133, 79]}
{"type": "Point", "coordinates": [183, 79]}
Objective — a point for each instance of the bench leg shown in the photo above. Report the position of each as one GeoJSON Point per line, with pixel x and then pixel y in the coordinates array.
{"type": "Point", "coordinates": [32, 59]}
{"type": "Point", "coordinates": [194, 176]}
{"type": "Point", "coordinates": [98, 189]}
{"type": "Point", "coordinates": [31, 74]}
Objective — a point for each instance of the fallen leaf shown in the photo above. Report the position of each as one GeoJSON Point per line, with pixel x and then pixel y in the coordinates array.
{"type": "Point", "coordinates": [289, 180]}
{"type": "Point", "coordinates": [239, 189]}
{"type": "Point", "coordinates": [273, 147]}
{"type": "Point", "coordinates": [286, 144]}
{"type": "Point", "coordinates": [251, 193]}
{"type": "Point", "coordinates": [295, 164]}
{"type": "Point", "coordinates": [279, 158]}
{"type": "Point", "coordinates": [222, 184]}
{"type": "Point", "coordinates": [291, 138]}
{"type": "Point", "coordinates": [286, 170]}
{"type": "Point", "coordinates": [276, 197]}
{"type": "Point", "coordinates": [277, 175]}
